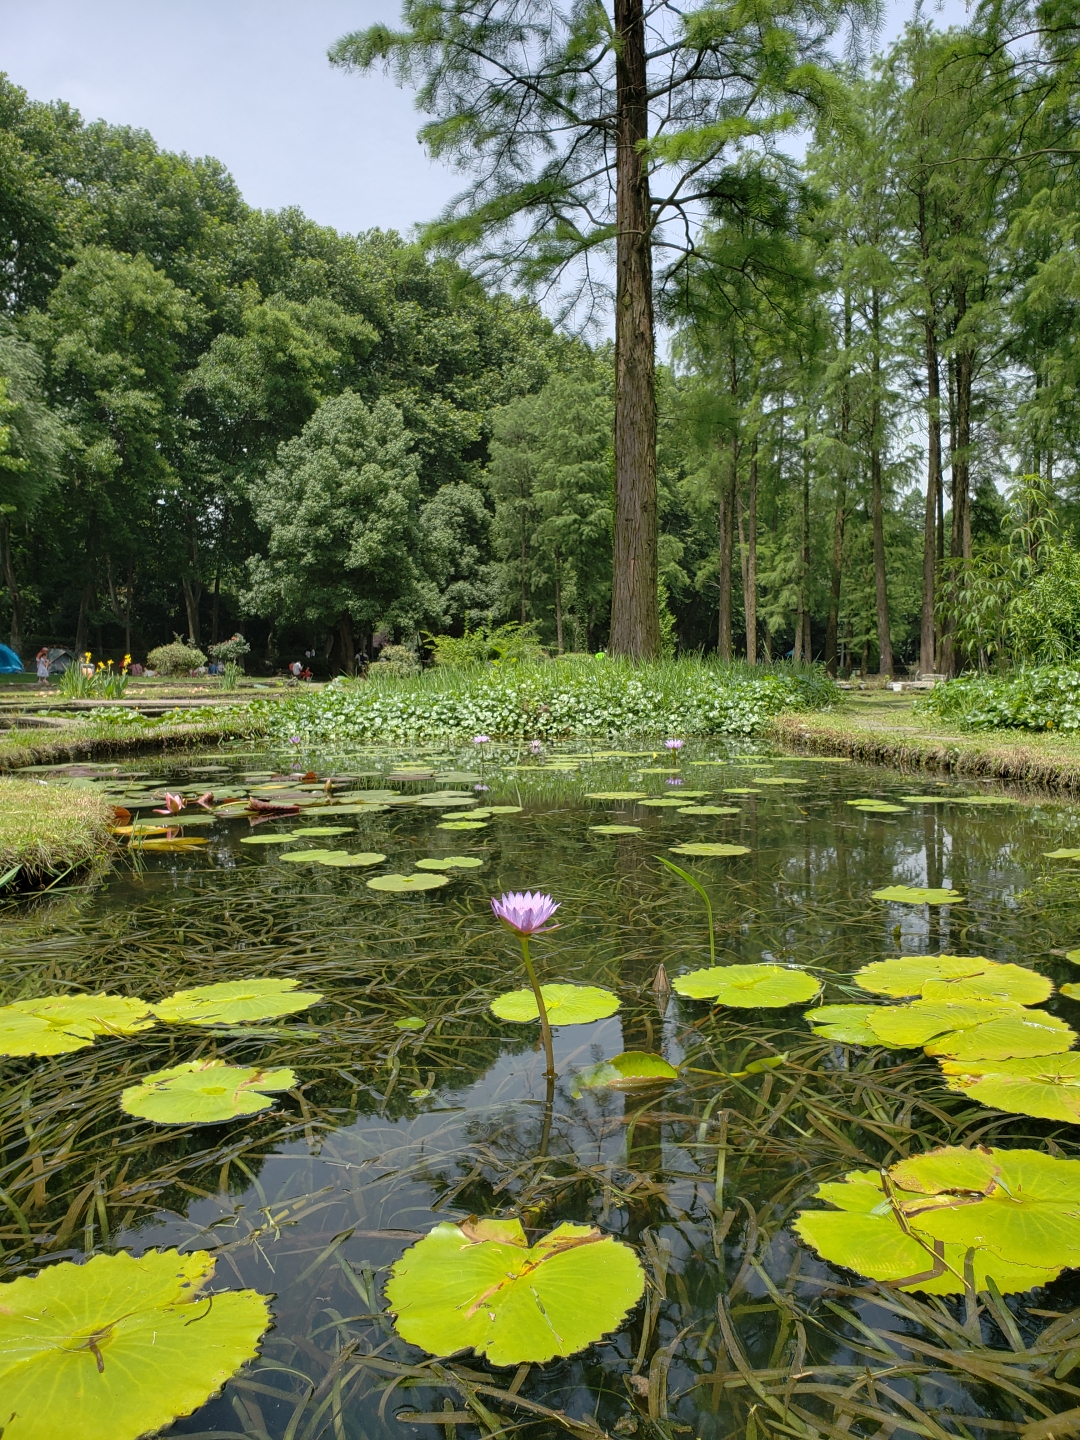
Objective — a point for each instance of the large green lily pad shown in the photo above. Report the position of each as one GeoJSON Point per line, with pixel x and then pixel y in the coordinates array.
{"type": "Point", "coordinates": [504, 809]}
{"type": "Point", "coordinates": [233, 1002]}
{"type": "Point", "coordinates": [309, 830]}
{"type": "Point", "coordinates": [462, 825]}
{"type": "Point", "coordinates": [109, 1348]}
{"type": "Point", "coordinates": [633, 1069]}
{"type": "Point", "coordinates": [481, 1285]}
{"type": "Point", "coordinates": [268, 839]}
{"type": "Point", "coordinates": [307, 857]}
{"type": "Point", "coordinates": [57, 1024]}
{"type": "Point", "coordinates": [665, 802]}
{"type": "Point", "coordinates": [204, 1092]}
{"type": "Point", "coordinates": [913, 895]}
{"type": "Point", "coordinates": [954, 977]}
{"type": "Point", "coordinates": [710, 810]}
{"type": "Point", "coordinates": [616, 829]}
{"type": "Point", "coordinates": [617, 795]}
{"type": "Point", "coordinates": [708, 848]}
{"type": "Point", "coordinates": [1017, 1210]}
{"type": "Point", "coordinates": [348, 860]}
{"type": "Point", "coordinates": [565, 1004]}
{"type": "Point", "coordinates": [407, 884]}
{"type": "Point", "coordinates": [748, 986]}
{"type": "Point", "coordinates": [1062, 854]}
{"type": "Point", "coordinates": [1046, 1086]}
{"type": "Point", "coordinates": [872, 807]}
{"type": "Point", "coordinates": [971, 1029]}
{"type": "Point", "coordinates": [845, 1023]}
{"type": "Point", "coordinates": [451, 862]}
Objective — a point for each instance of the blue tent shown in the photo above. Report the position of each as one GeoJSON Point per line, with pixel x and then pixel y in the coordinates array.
{"type": "Point", "coordinates": [10, 664]}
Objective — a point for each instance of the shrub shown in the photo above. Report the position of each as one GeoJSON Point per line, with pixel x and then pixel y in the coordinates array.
{"type": "Point", "coordinates": [396, 661]}
{"type": "Point", "coordinates": [505, 643]}
{"type": "Point", "coordinates": [1039, 698]}
{"type": "Point", "coordinates": [231, 651]}
{"type": "Point", "coordinates": [591, 697]}
{"type": "Point", "coordinates": [175, 659]}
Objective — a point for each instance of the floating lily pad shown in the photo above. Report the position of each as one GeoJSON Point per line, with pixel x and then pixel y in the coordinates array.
{"type": "Point", "coordinates": [633, 1069]}
{"type": "Point", "coordinates": [180, 843]}
{"type": "Point", "coordinates": [58, 1024]}
{"type": "Point", "coordinates": [446, 802]}
{"type": "Point", "coordinates": [325, 830]}
{"type": "Point", "coordinates": [616, 829]}
{"type": "Point", "coordinates": [665, 801]}
{"type": "Point", "coordinates": [411, 1022]}
{"type": "Point", "coordinates": [659, 770]}
{"type": "Point", "coordinates": [710, 810]}
{"type": "Point", "coordinates": [1017, 1210]}
{"type": "Point", "coordinates": [1046, 1086]}
{"type": "Point", "coordinates": [778, 780]}
{"type": "Point", "coordinates": [267, 839]}
{"type": "Point", "coordinates": [740, 790]}
{"type": "Point", "coordinates": [462, 825]}
{"type": "Point", "coordinates": [451, 862]}
{"type": "Point", "coordinates": [456, 777]}
{"type": "Point", "coordinates": [1072, 991]}
{"type": "Point", "coordinates": [954, 977]}
{"type": "Point", "coordinates": [373, 809]}
{"type": "Point", "coordinates": [232, 1002]}
{"type": "Point", "coordinates": [912, 895]}
{"type": "Point", "coordinates": [504, 809]}
{"type": "Point", "coordinates": [845, 1023]}
{"type": "Point", "coordinates": [617, 795]}
{"type": "Point", "coordinates": [204, 1092]}
{"type": "Point", "coordinates": [109, 1347]}
{"type": "Point", "coordinates": [708, 848]}
{"type": "Point", "coordinates": [1062, 854]}
{"type": "Point", "coordinates": [971, 1029]}
{"type": "Point", "coordinates": [307, 857]}
{"type": "Point", "coordinates": [481, 1285]}
{"type": "Point", "coordinates": [406, 884]}
{"type": "Point", "coordinates": [748, 986]}
{"type": "Point", "coordinates": [873, 807]}
{"type": "Point", "coordinates": [344, 860]}
{"type": "Point", "coordinates": [565, 1004]}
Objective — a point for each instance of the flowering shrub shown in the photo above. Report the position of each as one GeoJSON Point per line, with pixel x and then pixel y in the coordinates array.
{"type": "Point", "coordinates": [175, 659]}
{"type": "Point", "coordinates": [1041, 698]}
{"type": "Point", "coordinates": [603, 698]}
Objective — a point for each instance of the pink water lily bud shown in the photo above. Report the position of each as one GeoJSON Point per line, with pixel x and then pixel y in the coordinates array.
{"type": "Point", "coordinates": [526, 913]}
{"type": "Point", "coordinates": [173, 805]}
{"type": "Point", "coordinates": [481, 739]}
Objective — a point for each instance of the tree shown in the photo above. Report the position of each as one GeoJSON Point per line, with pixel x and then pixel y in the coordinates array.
{"type": "Point", "coordinates": [341, 512]}
{"type": "Point", "coordinates": [564, 115]}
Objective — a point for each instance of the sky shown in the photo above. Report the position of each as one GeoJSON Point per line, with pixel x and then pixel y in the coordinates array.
{"type": "Point", "coordinates": [248, 81]}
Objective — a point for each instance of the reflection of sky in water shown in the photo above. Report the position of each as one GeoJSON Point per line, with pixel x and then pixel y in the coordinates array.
{"type": "Point", "coordinates": [313, 1207]}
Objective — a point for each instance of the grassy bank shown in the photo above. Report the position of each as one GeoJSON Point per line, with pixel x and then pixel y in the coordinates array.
{"type": "Point", "coordinates": [885, 729]}
{"type": "Point", "coordinates": [97, 737]}
{"type": "Point", "coordinates": [46, 831]}
{"type": "Point", "coordinates": [586, 696]}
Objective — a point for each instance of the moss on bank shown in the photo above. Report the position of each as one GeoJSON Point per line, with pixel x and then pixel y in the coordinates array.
{"type": "Point", "coordinates": [81, 741]}
{"type": "Point", "coordinates": [883, 730]}
{"type": "Point", "coordinates": [47, 830]}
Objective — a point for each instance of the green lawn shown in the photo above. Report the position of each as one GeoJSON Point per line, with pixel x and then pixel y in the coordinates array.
{"type": "Point", "coordinates": [48, 829]}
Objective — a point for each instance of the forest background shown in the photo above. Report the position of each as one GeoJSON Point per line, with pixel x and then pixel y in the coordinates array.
{"type": "Point", "coordinates": [214, 417]}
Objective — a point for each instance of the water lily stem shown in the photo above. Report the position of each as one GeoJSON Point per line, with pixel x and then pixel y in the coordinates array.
{"type": "Point", "coordinates": [545, 1026]}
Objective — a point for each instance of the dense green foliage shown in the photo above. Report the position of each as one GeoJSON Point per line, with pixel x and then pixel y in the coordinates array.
{"type": "Point", "coordinates": [602, 698]}
{"type": "Point", "coordinates": [1035, 698]}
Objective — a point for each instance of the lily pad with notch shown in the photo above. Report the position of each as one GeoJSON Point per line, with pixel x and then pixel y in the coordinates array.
{"type": "Point", "coordinates": [632, 1070]}
{"type": "Point", "coordinates": [971, 1029]}
{"type": "Point", "coordinates": [844, 1023]}
{"type": "Point", "coordinates": [407, 884]}
{"type": "Point", "coordinates": [954, 977]}
{"type": "Point", "coordinates": [108, 1347]}
{"type": "Point", "coordinates": [710, 810]}
{"type": "Point", "coordinates": [913, 895]}
{"type": "Point", "coordinates": [748, 987]}
{"type": "Point", "coordinates": [59, 1024]}
{"type": "Point", "coordinates": [480, 1284]}
{"type": "Point", "coordinates": [350, 860]}
{"type": "Point", "coordinates": [709, 849]}
{"type": "Point", "coordinates": [617, 795]}
{"type": "Point", "coordinates": [1045, 1086]}
{"type": "Point", "coordinates": [313, 830]}
{"type": "Point", "coordinates": [616, 829]}
{"type": "Point", "coordinates": [233, 1002]}
{"type": "Point", "coordinates": [565, 1004]}
{"type": "Point", "coordinates": [451, 862]}
{"type": "Point", "coordinates": [204, 1092]}
{"type": "Point", "coordinates": [1062, 854]}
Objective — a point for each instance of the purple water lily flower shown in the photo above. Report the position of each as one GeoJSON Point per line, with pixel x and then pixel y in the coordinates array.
{"type": "Point", "coordinates": [481, 739]}
{"type": "Point", "coordinates": [675, 780]}
{"type": "Point", "coordinates": [535, 746]}
{"type": "Point", "coordinates": [674, 744]}
{"type": "Point", "coordinates": [526, 913]}
{"type": "Point", "coordinates": [481, 787]}
{"type": "Point", "coordinates": [294, 739]}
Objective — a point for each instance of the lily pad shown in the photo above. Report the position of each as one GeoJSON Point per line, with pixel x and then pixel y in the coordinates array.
{"type": "Point", "coordinates": [710, 810]}
{"type": "Point", "coordinates": [109, 1347]}
{"type": "Point", "coordinates": [665, 801]}
{"type": "Point", "coordinates": [325, 830]}
{"type": "Point", "coordinates": [845, 1023]}
{"type": "Point", "coordinates": [481, 1285]}
{"type": "Point", "coordinates": [462, 825]}
{"type": "Point", "coordinates": [204, 1092]}
{"type": "Point", "coordinates": [617, 795]}
{"type": "Point", "coordinates": [1062, 854]}
{"type": "Point", "coordinates": [873, 807]}
{"type": "Point", "coordinates": [748, 986]}
{"type": "Point", "coordinates": [180, 843]}
{"type": "Point", "coordinates": [406, 884]}
{"type": "Point", "coordinates": [504, 809]}
{"type": "Point", "coordinates": [740, 790]}
{"type": "Point", "coordinates": [708, 848]}
{"type": "Point", "coordinates": [451, 862]}
{"type": "Point", "coordinates": [565, 1004]}
{"type": "Point", "coordinates": [912, 895]}
{"type": "Point", "coordinates": [954, 977]}
{"type": "Point", "coordinates": [232, 1002]}
{"type": "Point", "coordinates": [307, 857]}
{"type": "Point", "coordinates": [1046, 1086]}
{"type": "Point", "coordinates": [58, 1024]}
{"type": "Point", "coordinates": [778, 780]}
{"type": "Point", "coordinates": [1017, 1210]}
{"type": "Point", "coordinates": [631, 1070]}
{"type": "Point", "coordinates": [616, 829]}
{"type": "Point", "coordinates": [456, 777]}
{"type": "Point", "coordinates": [971, 1029]}
{"type": "Point", "coordinates": [410, 1022]}
{"type": "Point", "coordinates": [346, 860]}
{"type": "Point", "coordinates": [267, 839]}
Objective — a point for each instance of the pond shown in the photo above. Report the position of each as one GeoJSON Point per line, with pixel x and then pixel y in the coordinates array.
{"type": "Point", "coordinates": [414, 1105]}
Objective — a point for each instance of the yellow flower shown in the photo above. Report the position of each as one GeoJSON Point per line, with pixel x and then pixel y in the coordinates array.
{"type": "Point", "coordinates": [88, 657]}
{"type": "Point", "coordinates": [127, 661]}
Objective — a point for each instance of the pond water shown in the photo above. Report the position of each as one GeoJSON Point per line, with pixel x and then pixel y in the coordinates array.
{"type": "Point", "coordinates": [743, 1330]}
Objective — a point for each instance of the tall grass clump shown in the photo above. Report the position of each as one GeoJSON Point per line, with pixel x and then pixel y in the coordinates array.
{"type": "Point", "coordinates": [1044, 697]}
{"type": "Point", "coordinates": [581, 695]}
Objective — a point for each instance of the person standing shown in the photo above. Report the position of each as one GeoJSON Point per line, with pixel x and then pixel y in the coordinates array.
{"type": "Point", "coordinates": [42, 660]}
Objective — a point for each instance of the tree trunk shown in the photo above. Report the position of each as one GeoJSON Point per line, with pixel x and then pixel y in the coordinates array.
{"type": "Point", "coordinates": [215, 607]}
{"type": "Point", "coordinates": [558, 606]}
{"type": "Point", "coordinates": [83, 623]}
{"type": "Point", "coordinates": [727, 545]}
{"type": "Point", "coordinates": [635, 615]}
{"type": "Point", "coordinates": [750, 585]}
{"type": "Point", "coordinates": [832, 624]}
{"type": "Point", "coordinates": [807, 651]}
{"type": "Point", "coordinates": [522, 563]}
{"type": "Point", "coordinates": [348, 646]}
{"type": "Point", "coordinates": [881, 592]}
{"type": "Point", "coordinates": [927, 648]}
{"type": "Point", "coordinates": [961, 466]}
{"type": "Point", "coordinates": [192, 595]}
{"type": "Point", "coordinates": [7, 570]}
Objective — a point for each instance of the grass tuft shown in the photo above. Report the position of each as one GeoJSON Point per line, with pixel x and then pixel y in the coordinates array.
{"type": "Point", "coordinates": [47, 830]}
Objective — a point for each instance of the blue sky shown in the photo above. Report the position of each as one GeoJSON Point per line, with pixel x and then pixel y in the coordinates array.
{"type": "Point", "coordinates": [248, 81]}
